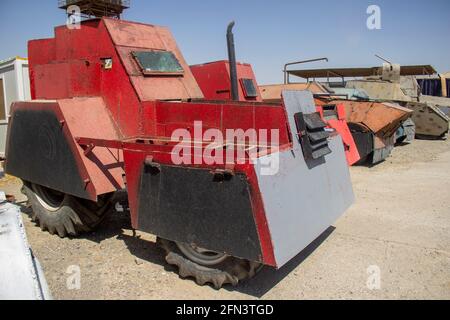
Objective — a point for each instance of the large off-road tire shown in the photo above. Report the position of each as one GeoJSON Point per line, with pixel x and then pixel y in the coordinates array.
{"type": "Point", "coordinates": [63, 214]}
{"type": "Point", "coordinates": [216, 269]}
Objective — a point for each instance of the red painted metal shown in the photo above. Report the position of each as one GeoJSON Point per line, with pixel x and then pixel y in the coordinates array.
{"type": "Point", "coordinates": [54, 107]}
{"type": "Point", "coordinates": [71, 65]}
{"type": "Point", "coordinates": [87, 117]}
{"type": "Point", "coordinates": [339, 124]}
{"type": "Point", "coordinates": [222, 116]}
{"type": "Point", "coordinates": [214, 80]}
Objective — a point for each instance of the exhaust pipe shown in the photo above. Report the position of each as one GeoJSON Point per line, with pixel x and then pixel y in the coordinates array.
{"type": "Point", "coordinates": [232, 62]}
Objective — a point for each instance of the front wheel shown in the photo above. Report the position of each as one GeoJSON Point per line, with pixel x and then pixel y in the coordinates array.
{"type": "Point", "coordinates": [63, 214]}
{"type": "Point", "coordinates": [207, 266]}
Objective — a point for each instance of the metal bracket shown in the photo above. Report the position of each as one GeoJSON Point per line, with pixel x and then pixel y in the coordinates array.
{"type": "Point", "coordinates": [89, 148]}
{"type": "Point", "coordinates": [152, 167]}
{"type": "Point", "coordinates": [222, 175]}
{"type": "Point", "coordinates": [312, 135]}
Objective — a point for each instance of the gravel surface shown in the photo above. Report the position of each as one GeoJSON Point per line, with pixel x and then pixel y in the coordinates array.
{"type": "Point", "coordinates": [399, 225]}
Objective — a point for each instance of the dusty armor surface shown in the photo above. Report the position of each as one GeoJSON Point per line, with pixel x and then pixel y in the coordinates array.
{"type": "Point", "coordinates": [440, 102]}
{"type": "Point", "coordinates": [430, 121]}
{"type": "Point", "coordinates": [388, 83]}
{"type": "Point", "coordinates": [430, 118]}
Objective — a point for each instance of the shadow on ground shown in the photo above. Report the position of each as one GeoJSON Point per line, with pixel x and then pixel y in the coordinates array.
{"type": "Point", "coordinates": [257, 287]}
{"type": "Point", "coordinates": [118, 226]}
{"type": "Point", "coordinates": [269, 277]}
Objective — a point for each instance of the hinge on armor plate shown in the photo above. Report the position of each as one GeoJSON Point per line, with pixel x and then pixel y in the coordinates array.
{"type": "Point", "coordinates": [312, 135]}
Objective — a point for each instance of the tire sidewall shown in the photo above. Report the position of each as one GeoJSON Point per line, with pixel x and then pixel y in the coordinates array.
{"type": "Point", "coordinates": [52, 218]}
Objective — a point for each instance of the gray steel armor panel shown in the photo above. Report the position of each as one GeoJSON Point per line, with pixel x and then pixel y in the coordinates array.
{"type": "Point", "coordinates": [301, 203]}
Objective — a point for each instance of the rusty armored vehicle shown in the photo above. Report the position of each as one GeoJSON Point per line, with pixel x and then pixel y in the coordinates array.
{"type": "Point", "coordinates": [390, 83]}
{"type": "Point", "coordinates": [376, 127]}
{"type": "Point", "coordinates": [431, 89]}
{"type": "Point", "coordinates": [396, 83]}
{"type": "Point", "coordinates": [115, 109]}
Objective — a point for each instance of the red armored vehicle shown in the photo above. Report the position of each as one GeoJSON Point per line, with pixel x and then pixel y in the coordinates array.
{"type": "Point", "coordinates": [115, 107]}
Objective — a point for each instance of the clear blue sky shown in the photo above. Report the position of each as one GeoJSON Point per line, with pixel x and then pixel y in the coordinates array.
{"type": "Point", "coordinates": [268, 33]}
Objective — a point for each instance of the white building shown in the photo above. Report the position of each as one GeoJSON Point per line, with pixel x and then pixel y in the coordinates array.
{"type": "Point", "coordinates": [14, 86]}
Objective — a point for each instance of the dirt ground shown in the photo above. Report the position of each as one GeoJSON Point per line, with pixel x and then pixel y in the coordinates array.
{"type": "Point", "coordinates": [399, 225]}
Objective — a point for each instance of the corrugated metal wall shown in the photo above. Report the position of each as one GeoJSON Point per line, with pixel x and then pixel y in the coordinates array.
{"type": "Point", "coordinates": [431, 87]}
{"type": "Point", "coordinates": [448, 88]}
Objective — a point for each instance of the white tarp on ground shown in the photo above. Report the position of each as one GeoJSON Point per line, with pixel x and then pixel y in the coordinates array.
{"type": "Point", "coordinates": [21, 277]}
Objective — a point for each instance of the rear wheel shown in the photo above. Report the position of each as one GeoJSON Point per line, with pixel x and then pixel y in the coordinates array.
{"type": "Point", "coordinates": [207, 266]}
{"type": "Point", "coordinates": [62, 214]}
